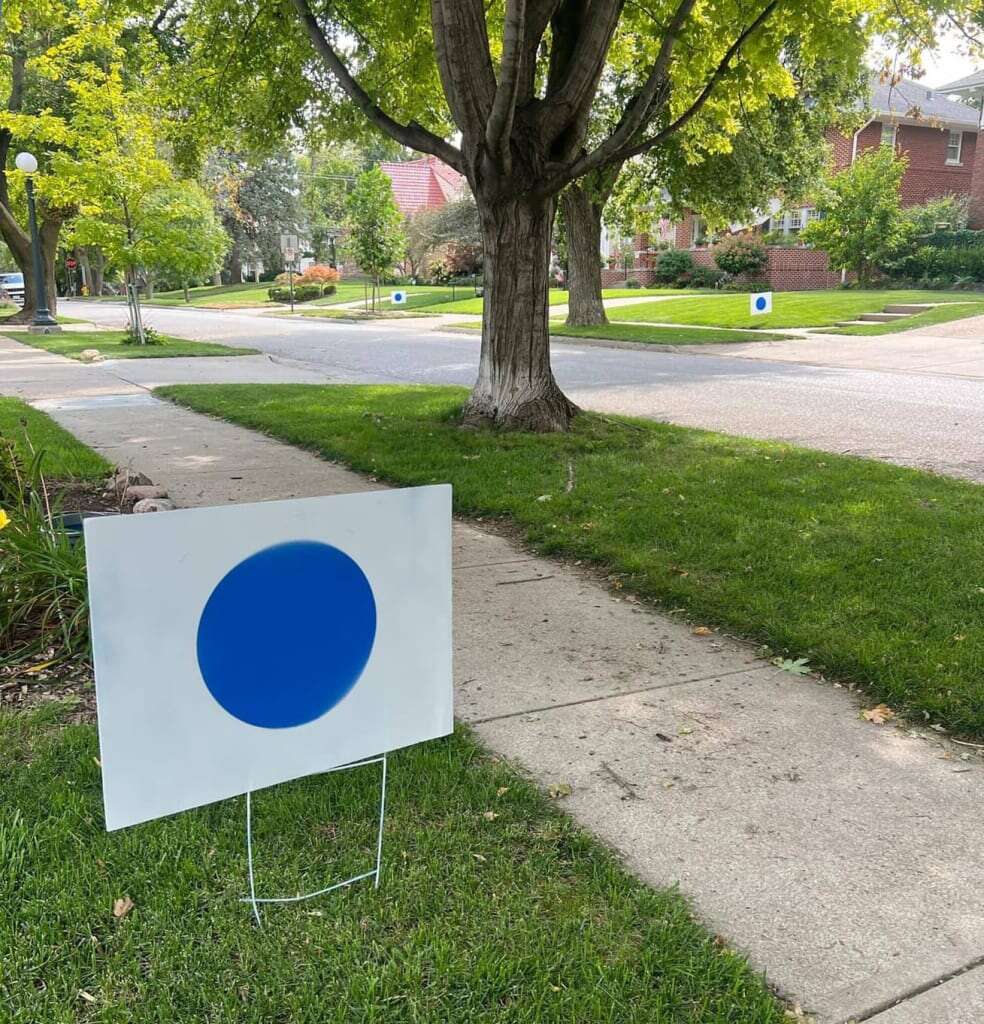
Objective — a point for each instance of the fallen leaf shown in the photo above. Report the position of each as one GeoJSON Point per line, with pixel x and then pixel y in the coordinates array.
{"type": "Point", "coordinates": [490, 815]}
{"type": "Point", "coordinates": [502, 790]}
{"type": "Point", "coordinates": [679, 572]}
{"type": "Point", "coordinates": [34, 669]}
{"type": "Point", "coordinates": [702, 631]}
{"type": "Point", "coordinates": [799, 667]}
{"type": "Point", "coordinates": [122, 907]}
{"type": "Point", "coordinates": [87, 996]}
{"type": "Point", "coordinates": [880, 714]}
{"type": "Point", "coordinates": [559, 790]}
{"type": "Point", "coordinates": [478, 856]}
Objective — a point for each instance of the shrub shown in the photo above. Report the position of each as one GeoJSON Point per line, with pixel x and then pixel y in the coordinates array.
{"type": "Point", "coordinates": [319, 273]}
{"type": "Point", "coordinates": [671, 264]}
{"type": "Point", "coordinates": [706, 277]}
{"type": "Point", "coordinates": [302, 293]}
{"type": "Point", "coordinates": [945, 262]}
{"type": "Point", "coordinates": [43, 597]}
{"type": "Point", "coordinates": [633, 283]}
{"type": "Point", "coordinates": [733, 285]}
{"type": "Point", "coordinates": [739, 256]}
{"type": "Point", "coordinates": [151, 336]}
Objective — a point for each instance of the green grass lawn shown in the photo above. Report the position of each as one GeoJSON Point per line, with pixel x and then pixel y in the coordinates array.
{"type": "Point", "coordinates": [31, 430]}
{"type": "Point", "coordinates": [110, 344]}
{"type": "Point", "coordinates": [660, 335]}
{"type": "Point", "coordinates": [952, 310]}
{"type": "Point", "coordinates": [559, 297]}
{"type": "Point", "coordinates": [789, 309]}
{"type": "Point", "coordinates": [247, 294]}
{"type": "Point", "coordinates": [520, 920]}
{"type": "Point", "coordinates": [871, 571]}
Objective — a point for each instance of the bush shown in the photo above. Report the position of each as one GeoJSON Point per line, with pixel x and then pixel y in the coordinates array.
{"type": "Point", "coordinates": [671, 264]}
{"type": "Point", "coordinates": [319, 273]}
{"type": "Point", "coordinates": [151, 336]}
{"type": "Point", "coordinates": [302, 293]}
{"type": "Point", "coordinates": [946, 262]}
{"type": "Point", "coordinates": [43, 598]}
{"type": "Point", "coordinates": [733, 285]}
{"type": "Point", "coordinates": [739, 256]}
{"type": "Point", "coordinates": [633, 283]}
{"type": "Point", "coordinates": [706, 277]}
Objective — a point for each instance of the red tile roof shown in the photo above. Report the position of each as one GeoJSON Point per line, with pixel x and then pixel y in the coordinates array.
{"type": "Point", "coordinates": [424, 184]}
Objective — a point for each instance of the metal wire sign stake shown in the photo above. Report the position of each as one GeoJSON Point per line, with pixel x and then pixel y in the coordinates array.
{"type": "Point", "coordinates": [255, 900]}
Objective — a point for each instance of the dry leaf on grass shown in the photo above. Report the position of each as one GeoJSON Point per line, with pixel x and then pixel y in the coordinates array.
{"type": "Point", "coordinates": [558, 790]}
{"type": "Point", "coordinates": [490, 815]}
{"type": "Point", "coordinates": [880, 714]}
{"type": "Point", "coordinates": [502, 790]}
{"type": "Point", "coordinates": [479, 857]}
{"type": "Point", "coordinates": [87, 996]}
{"type": "Point", "coordinates": [702, 631]}
{"type": "Point", "coordinates": [122, 907]}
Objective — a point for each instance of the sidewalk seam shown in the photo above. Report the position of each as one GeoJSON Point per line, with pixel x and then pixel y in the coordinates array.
{"type": "Point", "coordinates": [615, 696]}
{"type": "Point", "coordinates": [917, 990]}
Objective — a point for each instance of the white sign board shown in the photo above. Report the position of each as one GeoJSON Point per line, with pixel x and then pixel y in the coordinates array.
{"type": "Point", "coordinates": [398, 298]}
{"type": "Point", "coordinates": [242, 646]}
{"type": "Point", "coordinates": [760, 302]}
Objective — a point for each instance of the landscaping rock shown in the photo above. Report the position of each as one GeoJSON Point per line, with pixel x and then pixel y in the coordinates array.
{"type": "Point", "coordinates": [90, 355]}
{"type": "Point", "coordinates": [154, 505]}
{"type": "Point", "coordinates": [137, 492]}
{"type": "Point", "coordinates": [124, 478]}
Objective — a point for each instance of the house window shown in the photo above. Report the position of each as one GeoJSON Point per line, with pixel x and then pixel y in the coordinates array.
{"type": "Point", "coordinates": [795, 221]}
{"type": "Point", "coordinates": [954, 145]}
{"type": "Point", "coordinates": [888, 135]}
{"type": "Point", "coordinates": [700, 231]}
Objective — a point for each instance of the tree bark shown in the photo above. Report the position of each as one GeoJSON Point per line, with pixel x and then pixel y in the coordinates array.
{"type": "Point", "coordinates": [582, 218]}
{"type": "Point", "coordinates": [516, 388]}
{"type": "Point", "coordinates": [235, 264]}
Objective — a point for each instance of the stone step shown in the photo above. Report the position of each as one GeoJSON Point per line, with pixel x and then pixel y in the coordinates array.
{"type": "Point", "coordinates": [881, 318]}
{"type": "Point", "coordinates": [908, 307]}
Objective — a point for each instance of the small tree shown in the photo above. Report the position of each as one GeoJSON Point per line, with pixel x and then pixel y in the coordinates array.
{"type": "Point", "coordinates": [862, 224]}
{"type": "Point", "coordinates": [376, 237]}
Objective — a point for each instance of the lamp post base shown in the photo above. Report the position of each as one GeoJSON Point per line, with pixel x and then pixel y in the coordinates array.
{"type": "Point", "coordinates": [52, 328]}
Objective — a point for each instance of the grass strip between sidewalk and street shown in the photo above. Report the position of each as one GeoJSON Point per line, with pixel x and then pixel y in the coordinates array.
{"type": "Point", "coordinates": [110, 344]}
{"type": "Point", "coordinates": [942, 314]}
{"type": "Point", "coordinates": [32, 431]}
{"type": "Point", "coordinates": [671, 335]}
{"type": "Point", "coordinates": [646, 334]}
{"type": "Point", "coordinates": [869, 570]}
{"type": "Point", "coordinates": [494, 907]}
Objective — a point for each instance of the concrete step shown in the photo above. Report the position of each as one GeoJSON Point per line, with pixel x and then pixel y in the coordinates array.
{"type": "Point", "coordinates": [909, 307]}
{"type": "Point", "coordinates": [881, 318]}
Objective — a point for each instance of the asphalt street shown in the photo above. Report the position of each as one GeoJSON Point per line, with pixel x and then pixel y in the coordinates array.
{"type": "Point", "coordinates": [927, 419]}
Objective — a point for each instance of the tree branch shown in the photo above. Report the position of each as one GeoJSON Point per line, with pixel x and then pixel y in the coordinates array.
{"type": "Point", "coordinates": [413, 135]}
{"type": "Point", "coordinates": [606, 153]}
{"type": "Point", "coordinates": [499, 126]}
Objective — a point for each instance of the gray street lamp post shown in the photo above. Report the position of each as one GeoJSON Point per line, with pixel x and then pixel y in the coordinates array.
{"type": "Point", "coordinates": [43, 322]}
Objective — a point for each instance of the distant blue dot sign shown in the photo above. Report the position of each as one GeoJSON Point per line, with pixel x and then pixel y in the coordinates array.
{"type": "Point", "coordinates": [761, 302]}
{"type": "Point", "coordinates": [286, 634]}
{"type": "Point", "coordinates": [398, 298]}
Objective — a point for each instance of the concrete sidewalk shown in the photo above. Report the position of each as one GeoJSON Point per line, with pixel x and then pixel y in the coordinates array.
{"type": "Point", "coordinates": [842, 857]}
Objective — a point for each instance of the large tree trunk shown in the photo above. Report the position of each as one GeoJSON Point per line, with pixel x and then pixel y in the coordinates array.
{"type": "Point", "coordinates": [236, 264]}
{"type": "Point", "coordinates": [516, 387]}
{"type": "Point", "coordinates": [582, 219]}
{"type": "Point", "coordinates": [20, 248]}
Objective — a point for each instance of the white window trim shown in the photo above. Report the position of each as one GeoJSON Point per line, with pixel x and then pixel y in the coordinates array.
{"type": "Point", "coordinates": [894, 128]}
{"type": "Point", "coordinates": [959, 160]}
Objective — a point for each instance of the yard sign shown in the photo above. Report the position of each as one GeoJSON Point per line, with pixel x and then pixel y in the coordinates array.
{"type": "Point", "coordinates": [760, 302]}
{"type": "Point", "coordinates": [240, 647]}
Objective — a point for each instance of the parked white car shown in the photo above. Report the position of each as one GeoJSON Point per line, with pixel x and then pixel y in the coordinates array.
{"type": "Point", "coordinates": [12, 287]}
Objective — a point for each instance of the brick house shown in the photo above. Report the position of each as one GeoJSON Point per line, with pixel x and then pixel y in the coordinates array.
{"type": "Point", "coordinates": [936, 133]}
{"type": "Point", "coordinates": [425, 184]}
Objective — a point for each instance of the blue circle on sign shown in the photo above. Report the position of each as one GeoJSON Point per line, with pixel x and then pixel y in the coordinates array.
{"type": "Point", "coordinates": [760, 302]}
{"type": "Point", "coordinates": [286, 634]}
